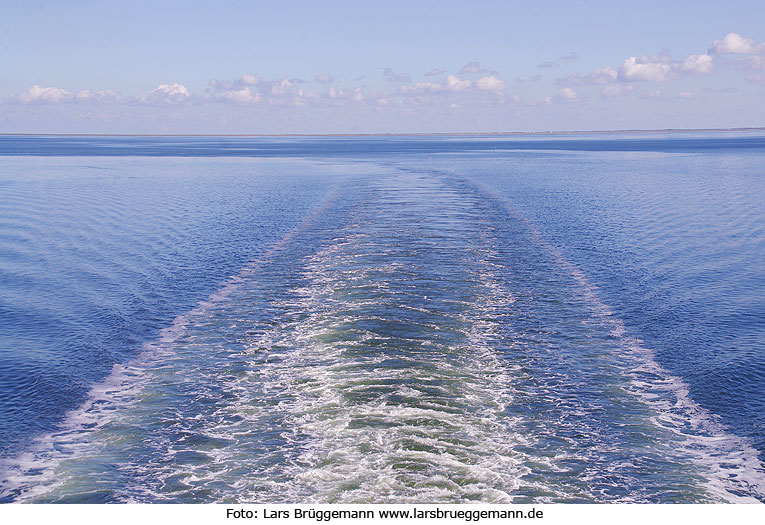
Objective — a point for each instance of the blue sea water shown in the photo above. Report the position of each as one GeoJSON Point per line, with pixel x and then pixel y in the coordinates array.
{"type": "Point", "coordinates": [563, 318]}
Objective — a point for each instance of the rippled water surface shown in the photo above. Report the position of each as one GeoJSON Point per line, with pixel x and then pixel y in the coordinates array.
{"type": "Point", "coordinates": [430, 319]}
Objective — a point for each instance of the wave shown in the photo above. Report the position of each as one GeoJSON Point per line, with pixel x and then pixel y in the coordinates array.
{"type": "Point", "coordinates": [415, 340]}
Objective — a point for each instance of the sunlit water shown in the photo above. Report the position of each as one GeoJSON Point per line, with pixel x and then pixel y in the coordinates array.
{"type": "Point", "coordinates": [566, 319]}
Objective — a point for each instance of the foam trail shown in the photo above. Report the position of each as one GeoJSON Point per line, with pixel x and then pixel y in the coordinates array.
{"type": "Point", "coordinates": [393, 382]}
{"type": "Point", "coordinates": [96, 423]}
{"type": "Point", "coordinates": [373, 378]}
{"type": "Point", "coordinates": [733, 471]}
{"type": "Point", "coordinates": [414, 341]}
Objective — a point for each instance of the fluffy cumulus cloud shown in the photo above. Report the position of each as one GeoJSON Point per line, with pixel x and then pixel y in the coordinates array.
{"type": "Point", "coordinates": [491, 83]}
{"type": "Point", "coordinates": [422, 87]}
{"type": "Point", "coordinates": [106, 96]}
{"type": "Point", "coordinates": [696, 64]}
{"type": "Point", "coordinates": [344, 95]}
{"type": "Point", "coordinates": [167, 93]}
{"type": "Point", "coordinates": [645, 68]}
{"type": "Point", "coordinates": [733, 43]}
{"type": "Point", "coordinates": [280, 87]}
{"type": "Point", "coordinates": [661, 68]}
{"type": "Point", "coordinates": [744, 52]}
{"type": "Point", "coordinates": [243, 94]}
{"type": "Point", "coordinates": [248, 79]}
{"type": "Point", "coordinates": [252, 89]}
{"type": "Point", "coordinates": [469, 88]}
{"type": "Point", "coordinates": [756, 62]}
{"type": "Point", "coordinates": [42, 94]}
{"type": "Point", "coordinates": [163, 93]}
{"type": "Point", "coordinates": [454, 83]}
{"type": "Point", "coordinates": [603, 75]}
{"type": "Point", "coordinates": [567, 95]}
{"type": "Point", "coordinates": [243, 89]}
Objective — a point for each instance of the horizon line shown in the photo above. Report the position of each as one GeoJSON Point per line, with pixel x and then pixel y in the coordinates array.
{"type": "Point", "coordinates": [392, 134]}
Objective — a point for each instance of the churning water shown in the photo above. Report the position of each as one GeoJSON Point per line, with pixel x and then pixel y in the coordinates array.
{"type": "Point", "coordinates": [432, 319]}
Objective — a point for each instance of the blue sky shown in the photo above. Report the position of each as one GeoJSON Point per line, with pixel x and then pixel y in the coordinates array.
{"type": "Point", "coordinates": [368, 67]}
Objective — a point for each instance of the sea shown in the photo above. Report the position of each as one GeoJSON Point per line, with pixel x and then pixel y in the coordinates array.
{"type": "Point", "coordinates": [550, 318]}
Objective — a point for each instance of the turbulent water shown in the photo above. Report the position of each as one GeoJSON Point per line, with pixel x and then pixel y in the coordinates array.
{"type": "Point", "coordinates": [566, 319]}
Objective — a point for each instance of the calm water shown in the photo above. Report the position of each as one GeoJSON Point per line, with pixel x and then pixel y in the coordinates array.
{"type": "Point", "coordinates": [426, 319]}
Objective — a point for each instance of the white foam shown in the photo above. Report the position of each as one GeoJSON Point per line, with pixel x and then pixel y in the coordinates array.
{"type": "Point", "coordinates": [34, 472]}
{"type": "Point", "coordinates": [735, 471]}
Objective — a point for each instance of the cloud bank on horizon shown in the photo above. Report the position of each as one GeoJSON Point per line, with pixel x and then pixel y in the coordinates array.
{"type": "Point", "coordinates": [642, 91]}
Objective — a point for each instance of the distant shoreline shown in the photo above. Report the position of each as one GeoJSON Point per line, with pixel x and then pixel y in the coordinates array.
{"type": "Point", "coordinates": [423, 134]}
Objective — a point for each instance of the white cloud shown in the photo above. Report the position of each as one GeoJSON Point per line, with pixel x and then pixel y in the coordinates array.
{"type": "Point", "coordinates": [168, 93]}
{"type": "Point", "coordinates": [644, 69]}
{"type": "Point", "coordinates": [104, 96]}
{"type": "Point", "coordinates": [422, 87]}
{"type": "Point", "coordinates": [219, 85]}
{"type": "Point", "coordinates": [491, 83]}
{"type": "Point", "coordinates": [697, 64]}
{"type": "Point", "coordinates": [240, 90]}
{"type": "Point", "coordinates": [686, 94]}
{"type": "Point", "coordinates": [603, 75]}
{"type": "Point", "coordinates": [222, 86]}
{"type": "Point", "coordinates": [454, 83]}
{"type": "Point", "coordinates": [435, 72]}
{"type": "Point", "coordinates": [43, 94]}
{"type": "Point", "coordinates": [733, 43]}
{"type": "Point", "coordinates": [325, 78]}
{"type": "Point", "coordinates": [654, 69]}
{"type": "Point", "coordinates": [567, 95]}
{"type": "Point", "coordinates": [340, 97]}
{"type": "Point", "coordinates": [279, 87]}
{"type": "Point", "coordinates": [244, 94]}
{"type": "Point", "coordinates": [756, 62]}
{"type": "Point", "coordinates": [248, 80]}
{"type": "Point", "coordinates": [748, 54]}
